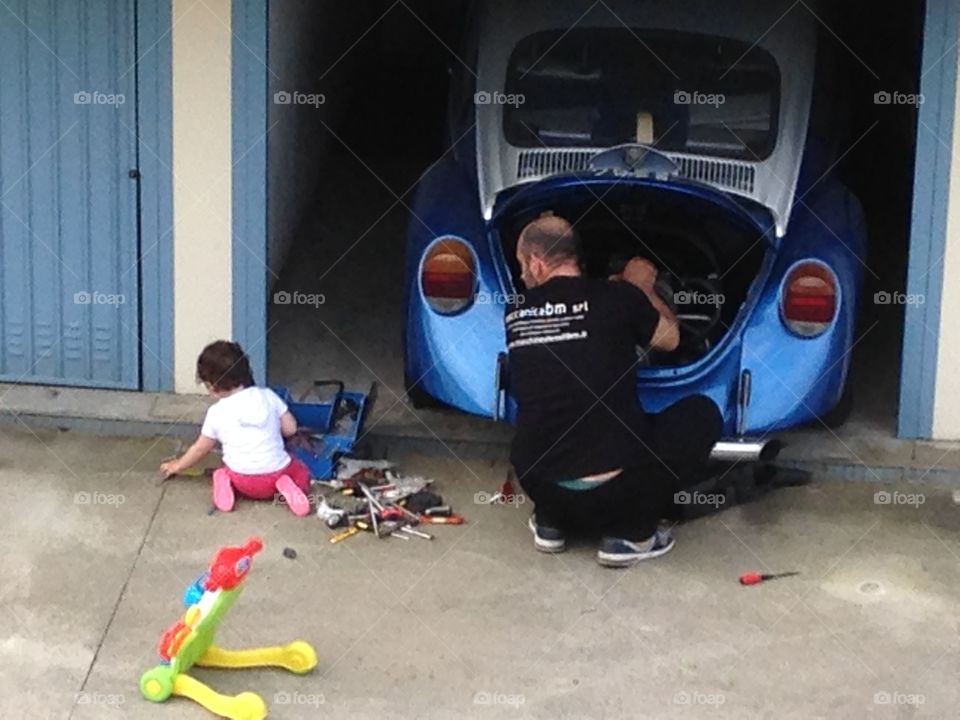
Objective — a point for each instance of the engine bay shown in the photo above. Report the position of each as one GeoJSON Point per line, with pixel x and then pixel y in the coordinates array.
{"type": "Point", "coordinates": [706, 262]}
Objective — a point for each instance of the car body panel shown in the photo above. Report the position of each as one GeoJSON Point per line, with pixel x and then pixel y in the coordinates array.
{"type": "Point", "coordinates": [786, 31]}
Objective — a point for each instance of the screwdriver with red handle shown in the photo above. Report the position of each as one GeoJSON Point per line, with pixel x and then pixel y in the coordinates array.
{"type": "Point", "coordinates": [755, 578]}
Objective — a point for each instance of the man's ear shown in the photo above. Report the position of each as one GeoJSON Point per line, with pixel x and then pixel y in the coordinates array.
{"type": "Point", "coordinates": [538, 266]}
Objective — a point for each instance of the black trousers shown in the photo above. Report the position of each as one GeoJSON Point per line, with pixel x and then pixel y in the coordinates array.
{"type": "Point", "coordinates": [631, 504]}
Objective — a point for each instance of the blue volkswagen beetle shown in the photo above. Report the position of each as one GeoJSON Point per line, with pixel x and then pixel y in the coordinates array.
{"type": "Point", "coordinates": [669, 130]}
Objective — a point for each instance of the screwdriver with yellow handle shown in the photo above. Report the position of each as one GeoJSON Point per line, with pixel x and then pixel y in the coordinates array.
{"type": "Point", "coordinates": [344, 534]}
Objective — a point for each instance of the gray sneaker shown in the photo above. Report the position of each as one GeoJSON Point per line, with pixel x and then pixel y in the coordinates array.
{"type": "Point", "coordinates": [620, 552]}
{"type": "Point", "coordinates": [547, 539]}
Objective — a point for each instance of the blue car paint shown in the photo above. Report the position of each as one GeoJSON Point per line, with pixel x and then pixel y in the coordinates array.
{"type": "Point", "coordinates": [794, 379]}
{"type": "Point", "coordinates": [452, 357]}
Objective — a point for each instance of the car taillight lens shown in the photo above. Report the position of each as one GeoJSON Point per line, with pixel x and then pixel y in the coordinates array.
{"type": "Point", "coordinates": [448, 277]}
{"type": "Point", "coordinates": [810, 299]}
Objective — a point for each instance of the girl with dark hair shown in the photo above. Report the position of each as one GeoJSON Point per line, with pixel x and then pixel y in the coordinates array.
{"type": "Point", "coordinates": [250, 423]}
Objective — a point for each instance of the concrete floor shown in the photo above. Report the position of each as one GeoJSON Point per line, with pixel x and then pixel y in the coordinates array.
{"type": "Point", "coordinates": [476, 623]}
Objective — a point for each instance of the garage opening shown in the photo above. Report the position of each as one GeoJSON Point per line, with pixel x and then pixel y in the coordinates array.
{"type": "Point", "coordinates": [879, 72]}
{"type": "Point", "coordinates": [343, 169]}
{"type": "Point", "coordinates": [358, 103]}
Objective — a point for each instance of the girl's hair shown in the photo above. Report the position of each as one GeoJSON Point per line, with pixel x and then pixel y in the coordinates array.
{"type": "Point", "coordinates": [225, 366]}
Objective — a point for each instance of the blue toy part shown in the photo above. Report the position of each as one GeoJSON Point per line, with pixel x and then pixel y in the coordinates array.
{"type": "Point", "coordinates": [194, 591]}
{"type": "Point", "coordinates": [332, 421]}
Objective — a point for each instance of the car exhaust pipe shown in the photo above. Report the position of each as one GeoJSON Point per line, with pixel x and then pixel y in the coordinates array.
{"type": "Point", "coordinates": [746, 450]}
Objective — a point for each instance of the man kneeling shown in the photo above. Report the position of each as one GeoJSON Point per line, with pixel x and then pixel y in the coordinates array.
{"type": "Point", "coordinates": [585, 451]}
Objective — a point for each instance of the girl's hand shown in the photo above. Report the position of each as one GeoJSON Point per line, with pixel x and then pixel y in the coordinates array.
{"type": "Point", "coordinates": [171, 467]}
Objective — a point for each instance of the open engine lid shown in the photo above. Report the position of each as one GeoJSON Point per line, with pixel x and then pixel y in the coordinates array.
{"type": "Point", "coordinates": [784, 34]}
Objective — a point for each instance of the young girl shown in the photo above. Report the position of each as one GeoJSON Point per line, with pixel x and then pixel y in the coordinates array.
{"type": "Point", "coordinates": [250, 423]}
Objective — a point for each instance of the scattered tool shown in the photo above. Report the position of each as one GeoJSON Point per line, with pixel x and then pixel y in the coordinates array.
{"type": "Point", "coordinates": [386, 504]}
{"type": "Point", "coordinates": [453, 519]}
{"type": "Point", "coordinates": [416, 533]}
{"type": "Point", "coordinates": [191, 472]}
{"type": "Point", "coordinates": [333, 517]}
{"type": "Point", "coordinates": [420, 501]}
{"type": "Point", "coordinates": [755, 578]}
{"type": "Point", "coordinates": [344, 534]}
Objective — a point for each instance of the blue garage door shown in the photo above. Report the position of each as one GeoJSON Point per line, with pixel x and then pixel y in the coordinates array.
{"type": "Point", "coordinates": [69, 305]}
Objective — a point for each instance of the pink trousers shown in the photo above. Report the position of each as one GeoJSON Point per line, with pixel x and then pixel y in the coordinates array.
{"type": "Point", "coordinates": [264, 487]}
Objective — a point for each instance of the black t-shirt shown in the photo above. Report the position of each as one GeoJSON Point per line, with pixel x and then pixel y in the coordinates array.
{"type": "Point", "coordinates": [573, 356]}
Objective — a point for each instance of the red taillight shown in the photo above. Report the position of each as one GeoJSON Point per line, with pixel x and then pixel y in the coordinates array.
{"type": "Point", "coordinates": [810, 298]}
{"type": "Point", "coordinates": [448, 277]}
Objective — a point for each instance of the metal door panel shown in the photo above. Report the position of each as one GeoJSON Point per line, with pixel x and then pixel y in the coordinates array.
{"type": "Point", "coordinates": [69, 305]}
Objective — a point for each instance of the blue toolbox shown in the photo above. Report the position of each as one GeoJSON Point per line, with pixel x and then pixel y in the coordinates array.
{"type": "Point", "coordinates": [330, 419]}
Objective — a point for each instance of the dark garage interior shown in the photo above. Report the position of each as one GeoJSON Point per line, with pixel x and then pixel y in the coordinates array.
{"type": "Point", "coordinates": [343, 174]}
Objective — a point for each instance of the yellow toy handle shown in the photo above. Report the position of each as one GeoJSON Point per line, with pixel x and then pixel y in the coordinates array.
{"type": "Point", "coordinates": [245, 706]}
{"type": "Point", "coordinates": [298, 657]}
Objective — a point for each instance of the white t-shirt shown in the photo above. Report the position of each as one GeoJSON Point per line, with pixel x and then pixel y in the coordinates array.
{"type": "Point", "coordinates": [247, 425]}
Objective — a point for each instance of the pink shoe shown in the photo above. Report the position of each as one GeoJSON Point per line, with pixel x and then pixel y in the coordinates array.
{"type": "Point", "coordinates": [296, 500]}
{"type": "Point", "coordinates": [223, 497]}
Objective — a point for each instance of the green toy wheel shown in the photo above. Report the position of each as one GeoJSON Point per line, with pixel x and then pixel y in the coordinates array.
{"type": "Point", "coordinates": [157, 684]}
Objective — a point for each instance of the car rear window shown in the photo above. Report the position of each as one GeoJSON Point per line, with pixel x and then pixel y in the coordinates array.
{"type": "Point", "coordinates": [683, 92]}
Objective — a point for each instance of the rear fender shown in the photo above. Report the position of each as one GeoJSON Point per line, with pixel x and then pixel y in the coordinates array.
{"type": "Point", "coordinates": [796, 379]}
{"type": "Point", "coordinates": [441, 347]}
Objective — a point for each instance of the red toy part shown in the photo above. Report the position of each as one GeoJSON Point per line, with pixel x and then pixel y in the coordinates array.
{"type": "Point", "coordinates": [172, 639]}
{"type": "Point", "coordinates": [231, 564]}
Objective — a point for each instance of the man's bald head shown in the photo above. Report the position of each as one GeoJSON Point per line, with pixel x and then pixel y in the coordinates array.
{"type": "Point", "coordinates": [548, 246]}
{"type": "Point", "coordinates": [550, 237]}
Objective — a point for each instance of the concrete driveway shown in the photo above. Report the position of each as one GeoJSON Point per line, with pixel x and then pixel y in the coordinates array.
{"type": "Point", "coordinates": [475, 623]}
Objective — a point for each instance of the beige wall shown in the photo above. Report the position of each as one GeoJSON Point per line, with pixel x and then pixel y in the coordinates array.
{"type": "Point", "coordinates": [946, 405]}
{"type": "Point", "coordinates": [202, 163]}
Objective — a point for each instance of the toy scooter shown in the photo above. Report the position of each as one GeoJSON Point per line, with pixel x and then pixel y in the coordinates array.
{"type": "Point", "coordinates": [190, 641]}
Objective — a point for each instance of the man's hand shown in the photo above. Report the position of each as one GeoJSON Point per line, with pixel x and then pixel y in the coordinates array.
{"type": "Point", "coordinates": [642, 273]}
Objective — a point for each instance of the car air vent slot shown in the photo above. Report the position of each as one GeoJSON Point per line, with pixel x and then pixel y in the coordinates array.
{"type": "Point", "coordinates": [736, 176]}
{"type": "Point", "coordinates": [731, 175]}
{"type": "Point", "coordinates": [542, 163]}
